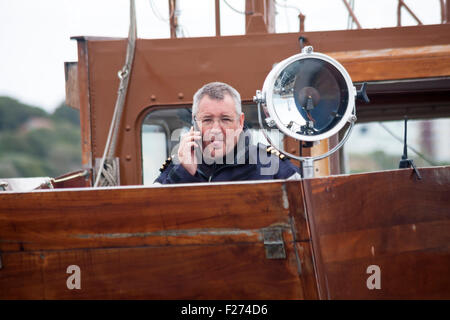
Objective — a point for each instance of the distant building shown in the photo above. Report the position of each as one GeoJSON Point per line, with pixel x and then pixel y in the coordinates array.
{"type": "Point", "coordinates": [36, 123]}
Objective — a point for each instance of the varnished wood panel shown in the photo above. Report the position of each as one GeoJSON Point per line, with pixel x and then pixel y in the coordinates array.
{"type": "Point", "coordinates": [209, 237]}
{"type": "Point", "coordinates": [85, 101]}
{"type": "Point", "coordinates": [307, 270]}
{"type": "Point", "coordinates": [161, 76]}
{"type": "Point", "coordinates": [390, 219]}
{"type": "Point", "coordinates": [301, 234]}
{"type": "Point", "coordinates": [421, 274]}
{"type": "Point", "coordinates": [140, 216]}
{"type": "Point", "coordinates": [297, 211]}
{"type": "Point", "coordinates": [396, 63]}
{"type": "Point", "coordinates": [170, 242]}
{"type": "Point", "coordinates": [72, 91]}
{"type": "Point", "coordinates": [380, 199]}
{"type": "Point", "coordinates": [384, 240]}
{"type": "Point", "coordinates": [231, 271]}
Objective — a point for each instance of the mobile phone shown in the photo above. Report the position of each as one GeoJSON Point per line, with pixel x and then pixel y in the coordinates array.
{"type": "Point", "coordinates": [199, 150]}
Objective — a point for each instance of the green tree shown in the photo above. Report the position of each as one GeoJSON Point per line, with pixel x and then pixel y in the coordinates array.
{"type": "Point", "coordinates": [51, 151]}
{"type": "Point", "coordinates": [64, 112]}
{"type": "Point", "coordinates": [13, 113]}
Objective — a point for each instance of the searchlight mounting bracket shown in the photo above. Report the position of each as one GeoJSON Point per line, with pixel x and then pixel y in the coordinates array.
{"type": "Point", "coordinates": [309, 97]}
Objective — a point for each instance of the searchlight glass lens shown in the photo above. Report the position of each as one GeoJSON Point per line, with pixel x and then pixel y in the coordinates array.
{"type": "Point", "coordinates": [311, 96]}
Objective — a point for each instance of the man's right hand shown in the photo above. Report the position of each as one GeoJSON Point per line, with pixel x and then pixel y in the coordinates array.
{"type": "Point", "coordinates": [187, 148]}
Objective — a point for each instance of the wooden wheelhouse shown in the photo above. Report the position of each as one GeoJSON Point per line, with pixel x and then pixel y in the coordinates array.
{"type": "Point", "coordinates": [307, 239]}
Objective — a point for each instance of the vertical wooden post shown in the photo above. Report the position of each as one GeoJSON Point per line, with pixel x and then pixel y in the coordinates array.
{"type": "Point", "coordinates": [262, 10]}
{"type": "Point", "coordinates": [447, 12]}
{"type": "Point", "coordinates": [321, 167]}
{"type": "Point", "coordinates": [270, 16]}
{"type": "Point", "coordinates": [85, 106]}
{"type": "Point", "coordinates": [301, 18]}
{"type": "Point", "coordinates": [173, 22]}
{"type": "Point", "coordinates": [443, 11]}
{"type": "Point", "coordinates": [217, 18]}
{"type": "Point", "coordinates": [249, 7]}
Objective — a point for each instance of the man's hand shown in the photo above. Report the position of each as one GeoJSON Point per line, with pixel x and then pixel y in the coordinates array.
{"type": "Point", "coordinates": [187, 148]}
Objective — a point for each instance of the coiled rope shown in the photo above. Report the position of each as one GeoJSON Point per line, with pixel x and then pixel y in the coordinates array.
{"type": "Point", "coordinates": [107, 172]}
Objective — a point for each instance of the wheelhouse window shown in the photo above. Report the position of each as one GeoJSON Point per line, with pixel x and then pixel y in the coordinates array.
{"type": "Point", "coordinates": [162, 128]}
{"type": "Point", "coordinates": [375, 146]}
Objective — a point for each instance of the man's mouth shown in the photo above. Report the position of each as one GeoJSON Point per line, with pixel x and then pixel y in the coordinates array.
{"type": "Point", "coordinates": [216, 142]}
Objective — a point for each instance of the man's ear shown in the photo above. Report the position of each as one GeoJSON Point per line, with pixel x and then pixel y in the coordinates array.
{"type": "Point", "coordinates": [241, 120]}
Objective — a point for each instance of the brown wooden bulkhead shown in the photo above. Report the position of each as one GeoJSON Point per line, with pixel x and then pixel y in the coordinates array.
{"type": "Point", "coordinates": [205, 241]}
{"type": "Point", "coordinates": [167, 72]}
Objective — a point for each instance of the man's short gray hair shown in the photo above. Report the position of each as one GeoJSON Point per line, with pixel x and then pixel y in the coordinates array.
{"type": "Point", "coordinates": [217, 91]}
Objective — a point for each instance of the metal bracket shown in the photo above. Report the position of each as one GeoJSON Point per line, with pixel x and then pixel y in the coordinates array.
{"type": "Point", "coordinates": [307, 49]}
{"type": "Point", "coordinates": [259, 98]}
{"type": "Point", "coordinates": [3, 185]}
{"type": "Point", "coordinates": [270, 122]}
{"type": "Point", "coordinates": [273, 244]}
{"type": "Point", "coordinates": [308, 168]}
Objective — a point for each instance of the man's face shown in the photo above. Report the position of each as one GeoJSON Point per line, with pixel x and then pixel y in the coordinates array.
{"type": "Point", "coordinates": [219, 124]}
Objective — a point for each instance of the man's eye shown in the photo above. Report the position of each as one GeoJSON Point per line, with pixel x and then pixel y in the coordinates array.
{"type": "Point", "coordinates": [207, 121]}
{"type": "Point", "coordinates": [226, 120]}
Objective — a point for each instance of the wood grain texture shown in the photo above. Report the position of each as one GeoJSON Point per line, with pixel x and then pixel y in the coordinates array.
{"type": "Point", "coordinates": [84, 91]}
{"type": "Point", "coordinates": [396, 63]}
{"type": "Point", "coordinates": [205, 241]}
{"type": "Point", "coordinates": [421, 274]}
{"type": "Point", "coordinates": [389, 219]}
{"type": "Point", "coordinates": [174, 242]}
{"type": "Point", "coordinates": [380, 199]}
{"type": "Point", "coordinates": [140, 216]}
{"type": "Point", "coordinates": [307, 270]}
{"type": "Point", "coordinates": [72, 91]}
{"type": "Point", "coordinates": [385, 240]}
{"type": "Point", "coordinates": [230, 271]}
{"type": "Point", "coordinates": [428, 104]}
{"type": "Point", "coordinates": [297, 211]}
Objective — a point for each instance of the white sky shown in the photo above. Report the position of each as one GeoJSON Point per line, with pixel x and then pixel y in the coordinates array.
{"type": "Point", "coordinates": [35, 35]}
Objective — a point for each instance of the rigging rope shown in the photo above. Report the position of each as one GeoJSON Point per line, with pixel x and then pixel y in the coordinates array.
{"type": "Point", "coordinates": [286, 6]}
{"type": "Point", "coordinates": [235, 10]}
{"type": "Point", "coordinates": [106, 174]}
{"type": "Point", "coordinates": [158, 14]}
{"type": "Point", "coordinates": [407, 145]}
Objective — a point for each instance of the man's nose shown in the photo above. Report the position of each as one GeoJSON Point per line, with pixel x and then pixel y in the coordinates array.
{"type": "Point", "coordinates": [216, 130]}
{"type": "Point", "coordinates": [217, 125]}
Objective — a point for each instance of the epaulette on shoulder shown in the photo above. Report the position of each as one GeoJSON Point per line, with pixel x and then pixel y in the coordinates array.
{"type": "Point", "coordinates": [166, 164]}
{"type": "Point", "coordinates": [272, 150]}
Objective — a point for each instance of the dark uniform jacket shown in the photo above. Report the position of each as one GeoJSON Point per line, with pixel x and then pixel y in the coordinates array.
{"type": "Point", "coordinates": [255, 162]}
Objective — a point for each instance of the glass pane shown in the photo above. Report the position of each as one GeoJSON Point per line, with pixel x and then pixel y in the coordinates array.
{"type": "Point", "coordinates": [310, 96]}
{"type": "Point", "coordinates": [154, 151]}
{"type": "Point", "coordinates": [161, 131]}
{"type": "Point", "coordinates": [376, 146]}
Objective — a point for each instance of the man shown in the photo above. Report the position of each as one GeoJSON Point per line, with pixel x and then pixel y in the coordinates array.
{"type": "Point", "coordinates": [218, 148]}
